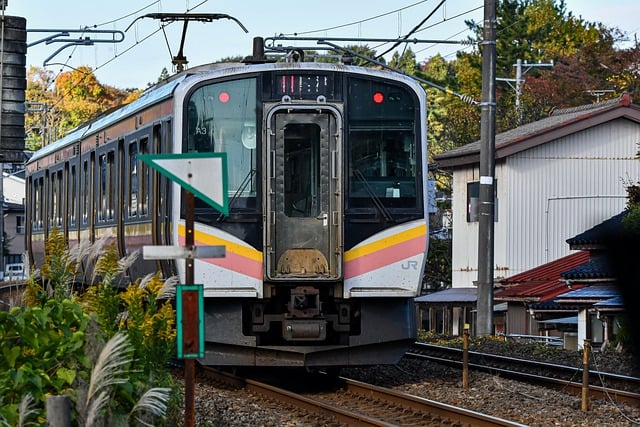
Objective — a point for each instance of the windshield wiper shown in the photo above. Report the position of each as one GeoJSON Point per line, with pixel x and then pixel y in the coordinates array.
{"type": "Point", "coordinates": [239, 191]}
{"type": "Point", "coordinates": [376, 201]}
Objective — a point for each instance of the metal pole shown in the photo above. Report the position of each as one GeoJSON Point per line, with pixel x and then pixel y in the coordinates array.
{"type": "Point", "coordinates": [189, 363]}
{"type": "Point", "coordinates": [518, 83]}
{"type": "Point", "coordinates": [487, 168]}
{"type": "Point", "coordinates": [1, 164]}
{"type": "Point", "coordinates": [585, 376]}
{"type": "Point", "coordinates": [465, 357]}
{"type": "Point", "coordinates": [2, 247]}
{"type": "Point", "coordinates": [58, 411]}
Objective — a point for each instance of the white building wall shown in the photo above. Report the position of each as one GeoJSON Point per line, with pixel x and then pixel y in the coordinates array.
{"type": "Point", "coordinates": [464, 234]}
{"type": "Point", "coordinates": [547, 195]}
{"type": "Point", "coordinates": [13, 189]}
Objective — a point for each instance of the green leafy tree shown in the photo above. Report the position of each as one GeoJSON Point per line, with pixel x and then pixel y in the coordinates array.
{"type": "Point", "coordinates": [164, 75]}
{"type": "Point", "coordinates": [534, 31]}
{"type": "Point", "coordinates": [405, 62]}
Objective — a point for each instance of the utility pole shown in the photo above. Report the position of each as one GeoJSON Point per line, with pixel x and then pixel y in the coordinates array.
{"type": "Point", "coordinates": [519, 80]}
{"type": "Point", "coordinates": [599, 92]}
{"type": "Point", "coordinates": [487, 169]}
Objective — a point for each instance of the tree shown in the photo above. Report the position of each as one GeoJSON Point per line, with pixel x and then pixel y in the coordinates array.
{"type": "Point", "coordinates": [164, 75]}
{"type": "Point", "coordinates": [405, 62]}
{"type": "Point", "coordinates": [542, 31]}
{"type": "Point", "coordinates": [65, 101]}
{"type": "Point", "coordinates": [39, 98]}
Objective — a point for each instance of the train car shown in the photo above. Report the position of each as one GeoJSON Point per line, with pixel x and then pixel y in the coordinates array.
{"type": "Point", "coordinates": [326, 232]}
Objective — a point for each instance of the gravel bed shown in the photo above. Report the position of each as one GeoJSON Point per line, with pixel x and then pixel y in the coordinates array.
{"type": "Point", "coordinates": [522, 403]}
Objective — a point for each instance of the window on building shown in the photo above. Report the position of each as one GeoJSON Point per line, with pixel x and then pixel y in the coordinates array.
{"type": "Point", "coordinates": [20, 224]}
{"type": "Point", "coordinates": [473, 201]}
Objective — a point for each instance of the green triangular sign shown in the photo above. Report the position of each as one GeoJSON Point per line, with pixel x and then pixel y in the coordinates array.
{"type": "Point", "coordinates": [203, 174]}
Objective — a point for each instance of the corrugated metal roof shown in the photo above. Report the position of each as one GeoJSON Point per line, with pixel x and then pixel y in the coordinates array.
{"type": "Point", "coordinates": [549, 271]}
{"type": "Point", "coordinates": [559, 124]}
{"type": "Point", "coordinates": [571, 320]}
{"type": "Point", "coordinates": [596, 292]}
{"type": "Point", "coordinates": [451, 295]}
{"type": "Point", "coordinates": [541, 283]}
{"type": "Point", "coordinates": [616, 301]}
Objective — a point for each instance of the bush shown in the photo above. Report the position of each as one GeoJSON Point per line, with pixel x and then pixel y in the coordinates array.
{"type": "Point", "coordinates": [105, 349]}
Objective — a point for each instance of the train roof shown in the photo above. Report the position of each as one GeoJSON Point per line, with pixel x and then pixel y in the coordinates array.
{"type": "Point", "coordinates": [165, 89]}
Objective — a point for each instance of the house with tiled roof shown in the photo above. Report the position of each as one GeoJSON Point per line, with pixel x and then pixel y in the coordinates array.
{"type": "Point", "coordinates": [573, 296]}
{"type": "Point", "coordinates": [553, 179]}
{"type": "Point", "coordinates": [533, 287]}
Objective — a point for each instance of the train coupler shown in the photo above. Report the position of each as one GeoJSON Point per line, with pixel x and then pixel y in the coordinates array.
{"type": "Point", "coordinates": [304, 330]}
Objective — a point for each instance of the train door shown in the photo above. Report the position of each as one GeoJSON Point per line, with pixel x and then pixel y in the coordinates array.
{"type": "Point", "coordinates": [303, 230]}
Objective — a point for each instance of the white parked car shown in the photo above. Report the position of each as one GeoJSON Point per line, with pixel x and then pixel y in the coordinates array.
{"type": "Point", "coordinates": [14, 272]}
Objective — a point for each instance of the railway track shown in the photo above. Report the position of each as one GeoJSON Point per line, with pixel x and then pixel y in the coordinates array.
{"type": "Point", "coordinates": [341, 401]}
{"type": "Point", "coordinates": [601, 385]}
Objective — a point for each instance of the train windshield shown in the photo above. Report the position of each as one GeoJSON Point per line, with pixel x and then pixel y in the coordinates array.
{"type": "Point", "coordinates": [221, 117]}
{"type": "Point", "coordinates": [382, 143]}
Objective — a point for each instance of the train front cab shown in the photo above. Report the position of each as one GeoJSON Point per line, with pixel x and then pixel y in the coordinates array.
{"type": "Point", "coordinates": [344, 230]}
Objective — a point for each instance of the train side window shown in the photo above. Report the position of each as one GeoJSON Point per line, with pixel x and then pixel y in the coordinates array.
{"type": "Point", "coordinates": [106, 199]}
{"type": "Point", "coordinates": [111, 186]}
{"type": "Point", "coordinates": [132, 190]}
{"type": "Point", "coordinates": [38, 206]}
{"type": "Point", "coordinates": [143, 180]}
{"type": "Point", "coordinates": [73, 195]}
{"type": "Point", "coordinates": [102, 198]}
{"type": "Point", "coordinates": [51, 196]}
{"type": "Point", "coordinates": [55, 199]}
{"type": "Point", "coordinates": [86, 185]}
{"type": "Point", "coordinates": [60, 199]}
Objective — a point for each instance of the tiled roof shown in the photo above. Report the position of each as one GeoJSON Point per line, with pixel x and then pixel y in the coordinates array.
{"type": "Point", "coordinates": [596, 268]}
{"type": "Point", "coordinates": [598, 234]}
{"type": "Point", "coordinates": [552, 305]}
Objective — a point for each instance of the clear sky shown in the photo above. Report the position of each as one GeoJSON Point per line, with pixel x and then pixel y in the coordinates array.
{"type": "Point", "coordinates": [146, 48]}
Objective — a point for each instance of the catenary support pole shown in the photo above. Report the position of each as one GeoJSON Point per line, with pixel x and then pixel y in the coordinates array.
{"type": "Point", "coordinates": [487, 167]}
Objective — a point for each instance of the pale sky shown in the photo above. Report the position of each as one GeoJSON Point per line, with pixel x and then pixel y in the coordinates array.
{"type": "Point", "coordinates": [146, 49]}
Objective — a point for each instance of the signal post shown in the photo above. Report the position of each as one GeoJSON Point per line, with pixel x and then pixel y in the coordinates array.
{"type": "Point", "coordinates": [193, 171]}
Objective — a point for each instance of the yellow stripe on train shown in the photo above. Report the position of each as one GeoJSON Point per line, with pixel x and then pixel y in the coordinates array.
{"type": "Point", "coordinates": [385, 242]}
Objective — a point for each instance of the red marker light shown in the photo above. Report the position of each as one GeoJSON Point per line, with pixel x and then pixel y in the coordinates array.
{"type": "Point", "coordinates": [378, 97]}
{"type": "Point", "coordinates": [224, 97]}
